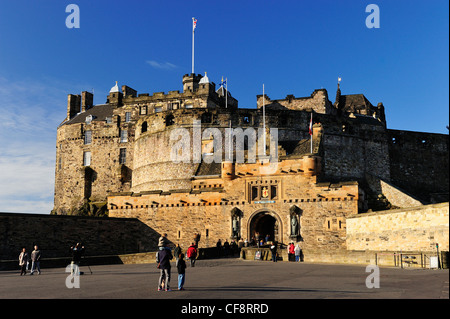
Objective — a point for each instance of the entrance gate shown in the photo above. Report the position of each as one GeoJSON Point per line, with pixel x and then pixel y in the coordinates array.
{"type": "Point", "coordinates": [265, 222]}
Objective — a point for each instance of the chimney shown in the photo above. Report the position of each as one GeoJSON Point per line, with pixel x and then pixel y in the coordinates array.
{"type": "Point", "coordinates": [87, 100]}
{"type": "Point", "coordinates": [73, 105]}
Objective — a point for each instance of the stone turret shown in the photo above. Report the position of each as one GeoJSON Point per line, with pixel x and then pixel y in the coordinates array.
{"type": "Point", "coordinates": [190, 82]}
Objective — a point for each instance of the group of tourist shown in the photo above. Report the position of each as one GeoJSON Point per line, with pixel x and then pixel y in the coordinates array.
{"type": "Point", "coordinates": [25, 258]}
{"type": "Point", "coordinates": [164, 256]}
{"type": "Point", "coordinates": [294, 252]}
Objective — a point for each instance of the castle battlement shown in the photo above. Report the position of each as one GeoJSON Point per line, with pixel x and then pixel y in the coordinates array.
{"type": "Point", "coordinates": [125, 144]}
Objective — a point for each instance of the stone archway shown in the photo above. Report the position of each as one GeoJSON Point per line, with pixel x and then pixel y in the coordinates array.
{"type": "Point", "coordinates": [265, 222]}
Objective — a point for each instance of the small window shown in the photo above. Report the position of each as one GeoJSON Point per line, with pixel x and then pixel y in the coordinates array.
{"type": "Point", "coordinates": [123, 156]}
{"type": "Point", "coordinates": [89, 119]}
{"type": "Point", "coordinates": [88, 137]}
{"type": "Point", "coordinates": [206, 117]}
{"type": "Point", "coordinates": [59, 163]}
{"type": "Point", "coordinates": [188, 106]}
{"type": "Point", "coordinates": [109, 120]}
{"type": "Point", "coordinates": [255, 192]}
{"type": "Point", "coordinates": [143, 110]}
{"type": "Point", "coordinates": [87, 158]}
{"type": "Point", "coordinates": [158, 109]}
{"type": "Point", "coordinates": [170, 120]}
{"type": "Point", "coordinates": [144, 127]}
{"type": "Point", "coordinates": [127, 116]}
{"type": "Point", "coordinates": [123, 136]}
{"type": "Point", "coordinates": [273, 191]}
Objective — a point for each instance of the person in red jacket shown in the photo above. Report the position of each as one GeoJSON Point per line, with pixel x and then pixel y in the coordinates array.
{"type": "Point", "coordinates": [291, 251]}
{"type": "Point", "coordinates": [192, 254]}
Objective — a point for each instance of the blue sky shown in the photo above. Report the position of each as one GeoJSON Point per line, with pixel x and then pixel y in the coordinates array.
{"type": "Point", "coordinates": [293, 47]}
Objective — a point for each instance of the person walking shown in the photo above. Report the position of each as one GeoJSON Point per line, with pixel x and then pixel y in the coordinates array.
{"type": "Point", "coordinates": [23, 260]}
{"type": "Point", "coordinates": [163, 258]}
{"type": "Point", "coordinates": [192, 254]}
{"type": "Point", "coordinates": [181, 266]}
{"type": "Point", "coordinates": [177, 252]}
{"type": "Point", "coordinates": [35, 260]}
{"type": "Point", "coordinates": [273, 250]}
{"type": "Point", "coordinates": [297, 252]}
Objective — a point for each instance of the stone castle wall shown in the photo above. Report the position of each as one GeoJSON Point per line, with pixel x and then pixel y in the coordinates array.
{"type": "Point", "coordinates": [420, 164]}
{"type": "Point", "coordinates": [208, 210]}
{"type": "Point", "coordinates": [56, 234]}
{"type": "Point", "coordinates": [407, 229]}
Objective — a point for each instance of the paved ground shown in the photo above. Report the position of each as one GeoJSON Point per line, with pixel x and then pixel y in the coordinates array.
{"type": "Point", "coordinates": [230, 279]}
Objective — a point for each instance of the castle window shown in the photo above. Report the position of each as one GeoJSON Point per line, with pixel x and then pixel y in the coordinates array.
{"type": "Point", "coordinates": [206, 117]}
{"type": "Point", "coordinates": [88, 137]}
{"type": "Point", "coordinates": [86, 158]}
{"type": "Point", "coordinates": [188, 106]}
{"type": "Point", "coordinates": [123, 156]}
{"type": "Point", "coordinates": [89, 119]}
{"type": "Point", "coordinates": [123, 136]}
{"type": "Point", "coordinates": [59, 163]}
{"type": "Point", "coordinates": [273, 191]}
{"type": "Point", "coordinates": [109, 120]}
{"type": "Point", "coordinates": [246, 119]}
{"type": "Point", "coordinates": [144, 127]}
{"type": "Point", "coordinates": [169, 120]}
{"type": "Point", "coordinates": [158, 109]}
{"type": "Point", "coordinates": [127, 116]}
{"type": "Point", "coordinates": [143, 110]}
{"type": "Point", "coordinates": [255, 191]}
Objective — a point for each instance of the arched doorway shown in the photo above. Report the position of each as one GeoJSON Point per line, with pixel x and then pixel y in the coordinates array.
{"type": "Point", "coordinates": [265, 223]}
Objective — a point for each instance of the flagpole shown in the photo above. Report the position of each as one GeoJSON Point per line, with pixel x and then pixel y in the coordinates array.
{"type": "Point", "coordinates": [193, 32]}
{"type": "Point", "coordinates": [226, 93]}
{"type": "Point", "coordinates": [264, 122]}
{"type": "Point", "coordinates": [310, 126]}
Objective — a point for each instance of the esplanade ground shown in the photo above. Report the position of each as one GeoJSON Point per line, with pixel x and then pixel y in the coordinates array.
{"type": "Point", "coordinates": [230, 279]}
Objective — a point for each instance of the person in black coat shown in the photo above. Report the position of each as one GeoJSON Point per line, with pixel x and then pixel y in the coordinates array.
{"type": "Point", "coordinates": [181, 266]}
{"type": "Point", "coordinates": [163, 259]}
{"type": "Point", "coordinates": [77, 252]}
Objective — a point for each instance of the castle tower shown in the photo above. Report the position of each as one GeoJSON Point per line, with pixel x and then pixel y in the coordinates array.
{"type": "Point", "coordinates": [191, 82]}
{"type": "Point", "coordinates": [115, 95]}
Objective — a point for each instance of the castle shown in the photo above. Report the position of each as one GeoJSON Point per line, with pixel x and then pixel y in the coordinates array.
{"type": "Point", "coordinates": [115, 159]}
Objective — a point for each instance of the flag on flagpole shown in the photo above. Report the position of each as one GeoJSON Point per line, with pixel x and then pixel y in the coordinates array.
{"type": "Point", "coordinates": [311, 126]}
{"type": "Point", "coordinates": [194, 24]}
{"type": "Point", "coordinates": [222, 83]}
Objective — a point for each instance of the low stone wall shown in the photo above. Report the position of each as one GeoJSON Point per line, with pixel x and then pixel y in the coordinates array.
{"type": "Point", "coordinates": [407, 229]}
{"type": "Point", "coordinates": [411, 259]}
{"type": "Point", "coordinates": [55, 234]}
